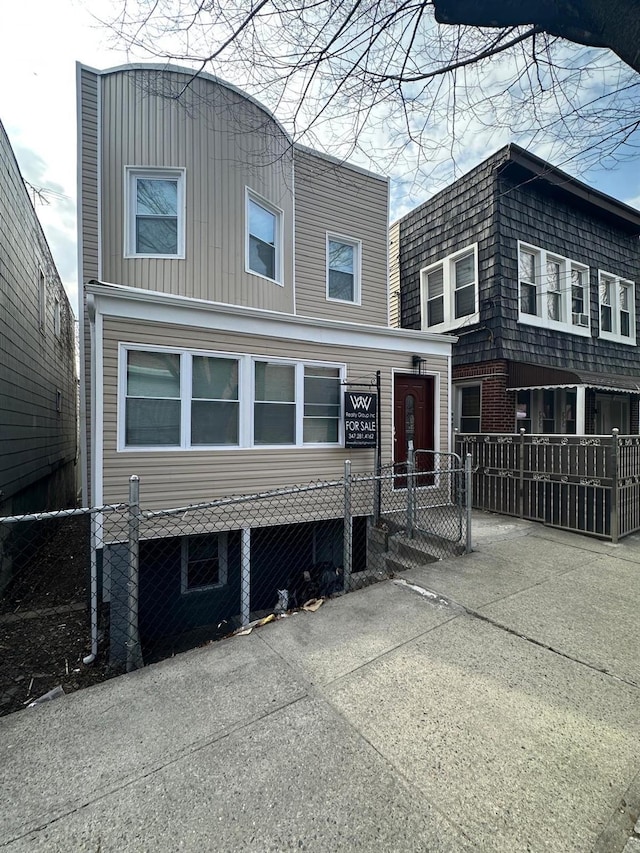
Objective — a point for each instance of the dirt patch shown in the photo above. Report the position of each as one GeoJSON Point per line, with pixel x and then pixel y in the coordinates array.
{"type": "Point", "coordinates": [44, 611]}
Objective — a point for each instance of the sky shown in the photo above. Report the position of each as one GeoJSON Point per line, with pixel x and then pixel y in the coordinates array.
{"type": "Point", "coordinates": [40, 42]}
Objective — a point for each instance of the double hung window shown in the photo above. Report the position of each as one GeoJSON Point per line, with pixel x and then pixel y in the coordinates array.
{"type": "Point", "coordinates": [469, 408]}
{"type": "Point", "coordinates": [553, 291]}
{"type": "Point", "coordinates": [617, 308]}
{"type": "Point", "coordinates": [343, 269]}
{"type": "Point", "coordinates": [263, 238]}
{"type": "Point", "coordinates": [450, 291]}
{"type": "Point", "coordinates": [155, 213]}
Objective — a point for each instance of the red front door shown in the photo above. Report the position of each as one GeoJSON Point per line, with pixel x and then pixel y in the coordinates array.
{"type": "Point", "coordinates": [413, 408]}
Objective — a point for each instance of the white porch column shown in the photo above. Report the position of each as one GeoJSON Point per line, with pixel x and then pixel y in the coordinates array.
{"type": "Point", "coordinates": [245, 575]}
{"type": "Point", "coordinates": [580, 409]}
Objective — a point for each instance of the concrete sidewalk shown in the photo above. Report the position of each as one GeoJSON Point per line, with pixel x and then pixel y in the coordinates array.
{"type": "Point", "coordinates": [489, 702]}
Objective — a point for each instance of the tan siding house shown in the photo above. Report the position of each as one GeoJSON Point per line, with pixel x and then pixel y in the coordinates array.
{"type": "Point", "coordinates": [239, 291]}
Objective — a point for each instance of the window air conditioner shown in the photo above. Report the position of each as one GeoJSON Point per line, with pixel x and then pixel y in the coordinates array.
{"type": "Point", "coordinates": [580, 319]}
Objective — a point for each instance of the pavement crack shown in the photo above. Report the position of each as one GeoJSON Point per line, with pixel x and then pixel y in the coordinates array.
{"type": "Point", "coordinates": [444, 601]}
{"type": "Point", "coordinates": [186, 751]}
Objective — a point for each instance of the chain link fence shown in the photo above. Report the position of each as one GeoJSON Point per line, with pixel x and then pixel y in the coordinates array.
{"type": "Point", "coordinates": [89, 593]}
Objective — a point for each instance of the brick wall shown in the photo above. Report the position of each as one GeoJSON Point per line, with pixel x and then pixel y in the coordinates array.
{"type": "Point", "coordinates": [498, 405]}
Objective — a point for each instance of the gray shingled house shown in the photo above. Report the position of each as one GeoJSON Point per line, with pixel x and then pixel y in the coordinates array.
{"type": "Point", "coordinates": [537, 274]}
{"type": "Point", "coordinates": [38, 383]}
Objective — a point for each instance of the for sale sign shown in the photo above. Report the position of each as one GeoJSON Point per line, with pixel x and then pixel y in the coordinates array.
{"type": "Point", "coordinates": [360, 419]}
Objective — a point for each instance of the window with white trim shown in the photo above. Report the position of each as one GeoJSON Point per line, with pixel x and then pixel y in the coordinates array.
{"type": "Point", "coordinates": [204, 562]}
{"type": "Point", "coordinates": [263, 250]}
{"type": "Point", "coordinates": [296, 403]}
{"type": "Point", "coordinates": [181, 400]}
{"type": "Point", "coordinates": [177, 400]}
{"type": "Point", "coordinates": [469, 397]}
{"type": "Point", "coordinates": [155, 213]}
{"type": "Point", "coordinates": [553, 291]}
{"type": "Point", "coordinates": [450, 291]}
{"type": "Point", "coordinates": [617, 308]}
{"type": "Point", "coordinates": [343, 269]}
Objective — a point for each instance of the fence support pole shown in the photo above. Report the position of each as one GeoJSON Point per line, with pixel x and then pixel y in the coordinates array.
{"type": "Point", "coordinates": [468, 474]}
{"type": "Point", "coordinates": [245, 575]}
{"type": "Point", "coordinates": [347, 541]}
{"type": "Point", "coordinates": [134, 650]}
{"type": "Point", "coordinates": [411, 464]}
{"type": "Point", "coordinates": [615, 475]}
{"type": "Point", "coordinates": [521, 475]}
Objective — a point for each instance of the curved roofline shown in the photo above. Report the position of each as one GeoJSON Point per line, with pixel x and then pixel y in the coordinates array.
{"type": "Point", "coordinates": [191, 72]}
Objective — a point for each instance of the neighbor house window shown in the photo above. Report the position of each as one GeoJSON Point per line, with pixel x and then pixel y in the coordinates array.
{"type": "Point", "coordinates": [204, 562]}
{"type": "Point", "coordinates": [182, 400]}
{"type": "Point", "coordinates": [42, 300]}
{"type": "Point", "coordinates": [617, 308]}
{"type": "Point", "coordinates": [263, 238]}
{"type": "Point", "coordinates": [343, 269]}
{"type": "Point", "coordinates": [469, 408]}
{"type": "Point", "coordinates": [296, 404]}
{"type": "Point", "coordinates": [450, 291]}
{"type": "Point", "coordinates": [155, 213]}
{"type": "Point", "coordinates": [553, 291]}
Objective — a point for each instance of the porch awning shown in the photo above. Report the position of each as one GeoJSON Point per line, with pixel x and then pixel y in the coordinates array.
{"type": "Point", "coordinates": [522, 376]}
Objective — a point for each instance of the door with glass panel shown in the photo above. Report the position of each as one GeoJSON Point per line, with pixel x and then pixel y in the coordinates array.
{"type": "Point", "coordinates": [413, 410]}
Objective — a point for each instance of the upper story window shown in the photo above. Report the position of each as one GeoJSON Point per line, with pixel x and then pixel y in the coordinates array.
{"type": "Point", "coordinates": [450, 291]}
{"type": "Point", "coordinates": [172, 400]}
{"type": "Point", "coordinates": [343, 269]}
{"type": "Point", "coordinates": [553, 291]}
{"type": "Point", "coordinates": [263, 238]}
{"type": "Point", "coordinates": [617, 308]}
{"type": "Point", "coordinates": [155, 213]}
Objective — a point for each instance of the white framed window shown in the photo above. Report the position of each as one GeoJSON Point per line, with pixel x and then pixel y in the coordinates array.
{"type": "Point", "coordinates": [154, 213]}
{"type": "Point", "coordinates": [450, 291]}
{"type": "Point", "coordinates": [343, 269]}
{"type": "Point", "coordinates": [553, 291]}
{"type": "Point", "coordinates": [173, 399]}
{"type": "Point", "coordinates": [469, 407]}
{"type": "Point", "coordinates": [177, 399]}
{"type": "Point", "coordinates": [616, 299]}
{"type": "Point", "coordinates": [42, 300]}
{"type": "Point", "coordinates": [263, 237]}
{"type": "Point", "coordinates": [296, 403]}
{"type": "Point", "coordinates": [204, 562]}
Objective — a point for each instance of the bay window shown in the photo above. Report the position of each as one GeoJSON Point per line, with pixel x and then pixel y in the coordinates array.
{"type": "Point", "coordinates": [553, 291]}
{"type": "Point", "coordinates": [617, 308]}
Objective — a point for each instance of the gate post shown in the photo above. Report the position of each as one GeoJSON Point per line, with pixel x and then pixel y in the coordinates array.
{"type": "Point", "coordinates": [614, 521]}
{"type": "Point", "coordinates": [134, 651]}
{"type": "Point", "coordinates": [411, 464]}
{"type": "Point", "coordinates": [347, 538]}
{"type": "Point", "coordinates": [468, 498]}
{"type": "Point", "coordinates": [521, 476]}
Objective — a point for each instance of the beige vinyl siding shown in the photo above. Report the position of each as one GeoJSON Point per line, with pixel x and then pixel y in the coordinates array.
{"type": "Point", "coordinates": [173, 478]}
{"type": "Point", "coordinates": [344, 201]}
{"type": "Point", "coordinates": [225, 143]}
{"type": "Point", "coordinates": [88, 223]}
{"type": "Point", "coordinates": [36, 440]}
{"type": "Point", "coordinates": [394, 275]}
{"type": "Point", "coordinates": [88, 167]}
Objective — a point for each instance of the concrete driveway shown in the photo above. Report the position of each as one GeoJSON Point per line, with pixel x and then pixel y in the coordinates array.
{"type": "Point", "coordinates": [489, 702]}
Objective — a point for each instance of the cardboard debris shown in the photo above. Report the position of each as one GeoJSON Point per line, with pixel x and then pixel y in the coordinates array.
{"type": "Point", "coordinates": [313, 604]}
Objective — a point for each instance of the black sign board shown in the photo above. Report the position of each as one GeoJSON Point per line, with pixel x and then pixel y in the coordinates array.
{"type": "Point", "coordinates": [360, 419]}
